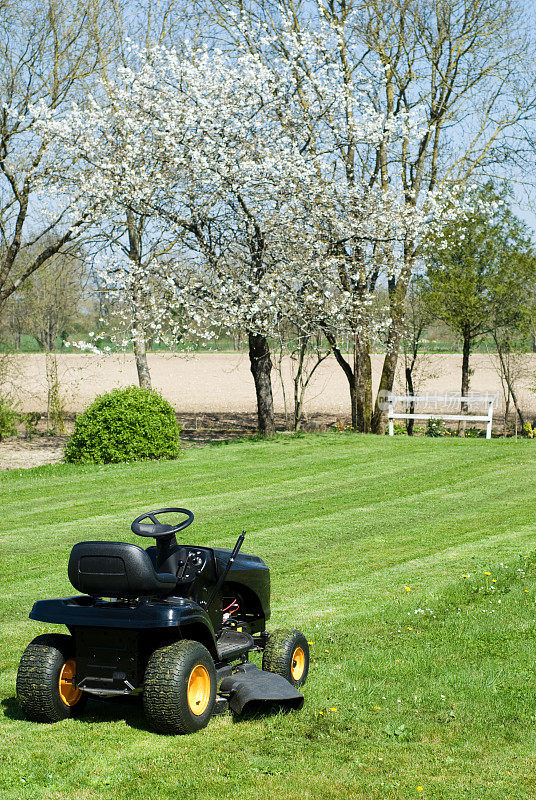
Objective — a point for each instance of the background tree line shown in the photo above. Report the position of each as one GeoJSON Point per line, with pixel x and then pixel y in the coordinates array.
{"type": "Point", "coordinates": [300, 200]}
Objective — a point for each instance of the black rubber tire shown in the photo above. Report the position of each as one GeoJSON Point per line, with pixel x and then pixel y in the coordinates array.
{"type": "Point", "coordinates": [38, 690]}
{"type": "Point", "coordinates": [279, 651]}
{"type": "Point", "coordinates": [165, 694]}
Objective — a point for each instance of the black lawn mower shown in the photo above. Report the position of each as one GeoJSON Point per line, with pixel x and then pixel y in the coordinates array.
{"type": "Point", "coordinates": [175, 623]}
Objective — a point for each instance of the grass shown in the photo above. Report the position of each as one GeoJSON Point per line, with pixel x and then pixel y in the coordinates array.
{"type": "Point", "coordinates": [422, 683]}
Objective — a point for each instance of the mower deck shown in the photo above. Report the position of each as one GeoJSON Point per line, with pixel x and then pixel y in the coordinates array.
{"type": "Point", "coordinates": [251, 690]}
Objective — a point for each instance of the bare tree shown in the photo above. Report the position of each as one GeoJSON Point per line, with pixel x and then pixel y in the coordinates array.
{"type": "Point", "coordinates": [302, 352]}
{"type": "Point", "coordinates": [416, 319]}
{"type": "Point", "coordinates": [48, 303]}
{"type": "Point", "coordinates": [47, 57]}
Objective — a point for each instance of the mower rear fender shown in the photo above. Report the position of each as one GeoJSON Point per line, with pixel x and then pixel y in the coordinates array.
{"type": "Point", "coordinates": [173, 618]}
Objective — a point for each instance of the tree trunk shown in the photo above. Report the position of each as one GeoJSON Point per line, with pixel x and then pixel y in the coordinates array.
{"type": "Point", "coordinates": [510, 385]}
{"type": "Point", "coordinates": [363, 381]}
{"type": "Point", "coordinates": [301, 381]}
{"type": "Point", "coordinates": [409, 383]}
{"type": "Point", "coordinates": [397, 295]}
{"type": "Point", "coordinates": [350, 377]}
{"type": "Point", "coordinates": [359, 382]}
{"type": "Point", "coordinates": [140, 354]}
{"type": "Point", "coordinates": [138, 333]}
{"type": "Point", "coordinates": [387, 380]}
{"type": "Point", "coordinates": [467, 339]}
{"type": "Point", "coordinates": [465, 367]}
{"type": "Point", "coordinates": [299, 388]}
{"type": "Point", "coordinates": [506, 412]}
{"type": "Point", "coordinates": [261, 369]}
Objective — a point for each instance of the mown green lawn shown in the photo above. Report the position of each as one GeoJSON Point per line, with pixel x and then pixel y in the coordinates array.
{"type": "Point", "coordinates": [422, 683]}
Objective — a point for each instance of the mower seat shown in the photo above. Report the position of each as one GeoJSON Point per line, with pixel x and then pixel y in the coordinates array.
{"type": "Point", "coordinates": [116, 569]}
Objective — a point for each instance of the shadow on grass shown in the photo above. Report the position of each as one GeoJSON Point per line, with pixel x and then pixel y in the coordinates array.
{"type": "Point", "coordinates": [260, 710]}
{"type": "Point", "coordinates": [115, 709]}
{"type": "Point", "coordinates": [12, 709]}
{"type": "Point", "coordinates": [131, 712]}
{"type": "Point", "coordinates": [96, 711]}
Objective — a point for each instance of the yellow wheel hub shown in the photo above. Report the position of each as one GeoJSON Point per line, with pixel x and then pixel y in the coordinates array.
{"type": "Point", "coordinates": [297, 667]}
{"type": "Point", "coordinates": [198, 692]}
{"type": "Point", "coordinates": [68, 691]}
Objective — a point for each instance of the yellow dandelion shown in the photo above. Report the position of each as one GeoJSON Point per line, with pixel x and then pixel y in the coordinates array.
{"type": "Point", "coordinates": [420, 789]}
{"type": "Point", "coordinates": [487, 573]}
{"type": "Point", "coordinates": [332, 709]}
{"type": "Point", "coordinates": [407, 588]}
{"type": "Point", "coordinates": [377, 708]}
{"type": "Point", "coordinates": [465, 576]}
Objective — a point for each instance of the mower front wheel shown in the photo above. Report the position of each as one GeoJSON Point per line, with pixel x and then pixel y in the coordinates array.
{"type": "Point", "coordinates": [287, 654]}
{"type": "Point", "coordinates": [180, 688]}
{"type": "Point", "coordinates": [45, 680]}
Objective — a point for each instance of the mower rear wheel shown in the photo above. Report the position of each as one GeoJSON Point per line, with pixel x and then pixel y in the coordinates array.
{"type": "Point", "coordinates": [45, 680]}
{"type": "Point", "coordinates": [180, 688]}
{"type": "Point", "coordinates": [287, 654]}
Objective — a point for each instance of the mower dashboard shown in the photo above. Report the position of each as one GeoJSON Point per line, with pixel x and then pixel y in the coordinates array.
{"type": "Point", "coordinates": [192, 564]}
{"type": "Point", "coordinates": [186, 562]}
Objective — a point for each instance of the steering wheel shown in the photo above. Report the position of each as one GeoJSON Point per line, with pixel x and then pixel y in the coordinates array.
{"type": "Point", "coordinates": [160, 529]}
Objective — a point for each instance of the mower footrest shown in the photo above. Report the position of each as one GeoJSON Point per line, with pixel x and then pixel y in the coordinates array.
{"type": "Point", "coordinates": [252, 690]}
{"type": "Point", "coordinates": [232, 644]}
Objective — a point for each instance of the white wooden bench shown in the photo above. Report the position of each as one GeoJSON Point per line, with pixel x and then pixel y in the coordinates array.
{"type": "Point", "coordinates": [440, 400]}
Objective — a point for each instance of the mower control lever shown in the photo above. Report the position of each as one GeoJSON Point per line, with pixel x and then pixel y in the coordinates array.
{"type": "Point", "coordinates": [157, 529]}
{"type": "Point", "coordinates": [223, 575]}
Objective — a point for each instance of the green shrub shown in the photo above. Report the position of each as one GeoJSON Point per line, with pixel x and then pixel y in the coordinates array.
{"type": "Point", "coordinates": [8, 416]}
{"type": "Point", "coordinates": [124, 425]}
{"type": "Point", "coordinates": [30, 420]}
{"type": "Point", "coordinates": [435, 427]}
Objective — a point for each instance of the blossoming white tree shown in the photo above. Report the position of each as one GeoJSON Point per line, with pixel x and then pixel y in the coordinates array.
{"type": "Point", "coordinates": [182, 140]}
{"type": "Point", "coordinates": [456, 80]}
{"type": "Point", "coordinates": [274, 222]}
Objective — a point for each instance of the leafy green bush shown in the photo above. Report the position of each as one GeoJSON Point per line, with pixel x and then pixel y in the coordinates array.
{"type": "Point", "coordinates": [30, 420]}
{"type": "Point", "coordinates": [435, 427]}
{"type": "Point", "coordinates": [475, 433]}
{"type": "Point", "coordinates": [130, 424]}
{"type": "Point", "coordinates": [8, 416]}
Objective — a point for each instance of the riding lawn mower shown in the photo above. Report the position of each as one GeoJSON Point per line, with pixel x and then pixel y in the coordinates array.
{"type": "Point", "coordinates": [174, 623]}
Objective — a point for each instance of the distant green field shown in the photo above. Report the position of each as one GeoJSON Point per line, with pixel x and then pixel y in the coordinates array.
{"type": "Point", "coordinates": [423, 681]}
{"type": "Point", "coordinates": [227, 344]}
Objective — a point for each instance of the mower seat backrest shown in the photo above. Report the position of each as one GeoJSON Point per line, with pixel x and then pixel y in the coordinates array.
{"type": "Point", "coordinates": [116, 569]}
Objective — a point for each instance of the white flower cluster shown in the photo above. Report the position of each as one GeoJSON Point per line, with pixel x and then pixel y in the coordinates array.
{"type": "Point", "coordinates": [257, 186]}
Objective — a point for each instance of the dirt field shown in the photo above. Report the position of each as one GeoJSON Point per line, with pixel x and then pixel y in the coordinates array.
{"type": "Point", "coordinates": [222, 382]}
{"type": "Point", "coordinates": [214, 397]}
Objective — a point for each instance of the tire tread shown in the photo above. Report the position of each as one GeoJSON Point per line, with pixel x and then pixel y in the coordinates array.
{"type": "Point", "coordinates": [36, 679]}
{"type": "Point", "coordinates": [278, 652]}
{"type": "Point", "coordinates": [164, 695]}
